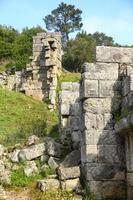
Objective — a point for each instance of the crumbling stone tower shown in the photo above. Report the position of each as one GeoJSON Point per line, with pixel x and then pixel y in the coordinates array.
{"type": "Point", "coordinates": [39, 79]}
{"type": "Point", "coordinates": [45, 66]}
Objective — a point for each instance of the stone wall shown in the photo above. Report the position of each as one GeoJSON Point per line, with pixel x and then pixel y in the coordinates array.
{"type": "Point", "coordinates": [39, 79]}
{"type": "Point", "coordinates": [105, 95]}
{"type": "Point", "coordinates": [70, 112]}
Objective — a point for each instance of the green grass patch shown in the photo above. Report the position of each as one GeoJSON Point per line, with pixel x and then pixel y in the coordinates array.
{"type": "Point", "coordinates": [67, 77]}
{"type": "Point", "coordinates": [51, 195]}
{"type": "Point", "coordinates": [22, 116]}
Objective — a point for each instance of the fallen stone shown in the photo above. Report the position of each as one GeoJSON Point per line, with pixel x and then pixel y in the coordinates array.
{"type": "Point", "coordinates": [44, 158]}
{"type": "Point", "coordinates": [14, 156]}
{"type": "Point", "coordinates": [32, 152]}
{"type": "Point", "coordinates": [68, 173]}
{"type": "Point", "coordinates": [52, 163]}
{"type": "Point", "coordinates": [70, 185]}
{"type": "Point", "coordinates": [32, 140]}
{"type": "Point", "coordinates": [72, 159]}
{"type": "Point", "coordinates": [53, 148]}
{"type": "Point", "coordinates": [48, 184]}
{"type": "Point", "coordinates": [30, 169]}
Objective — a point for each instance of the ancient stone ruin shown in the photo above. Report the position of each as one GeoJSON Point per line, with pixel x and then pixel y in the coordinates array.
{"type": "Point", "coordinates": [95, 122]}
{"type": "Point", "coordinates": [99, 118]}
{"type": "Point", "coordinates": [39, 79]}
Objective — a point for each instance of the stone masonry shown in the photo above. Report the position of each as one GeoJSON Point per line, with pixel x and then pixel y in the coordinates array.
{"type": "Point", "coordinates": [70, 112]}
{"type": "Point", "coordinates": [105, 120]}
{"type": "Point", "coordinates": [39, 79]}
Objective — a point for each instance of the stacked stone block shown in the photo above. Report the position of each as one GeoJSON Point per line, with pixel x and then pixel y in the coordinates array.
{"type": "Point", "coordinates": [39, 79]}
{"type": "Point", "coordinates": [44, 68]}
{"type": "Point", "coordinates": [70, 115]}
{"type": "Point", "coordinates": [102, 149]}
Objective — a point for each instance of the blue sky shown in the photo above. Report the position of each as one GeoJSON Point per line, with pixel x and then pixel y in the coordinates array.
{"type": "Point", "coordinates": [113, 17]}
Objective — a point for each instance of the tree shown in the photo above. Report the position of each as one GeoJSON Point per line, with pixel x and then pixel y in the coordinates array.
{"type": "Point", "coordinates": [23, 46]}
{"type": "Point", "coordinates": [7, 38]}
{"type": "Point", "coordinates": [79, 50]}
{"type": "Point", "coordinates": [103, 39]}
{"type": "Point", "coordinates": [65, 19]}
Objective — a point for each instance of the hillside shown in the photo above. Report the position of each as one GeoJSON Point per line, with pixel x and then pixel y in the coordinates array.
{"type": "Point", "coordinates": [21, 116]}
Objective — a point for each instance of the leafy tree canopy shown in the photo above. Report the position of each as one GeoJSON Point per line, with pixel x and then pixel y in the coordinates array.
{"type": "Point", "coordinates": [65, 19]}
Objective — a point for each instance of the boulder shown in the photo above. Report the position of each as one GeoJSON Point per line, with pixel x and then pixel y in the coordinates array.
{"type": "Point", "coordinates": [32, 152]}
{"type": "Point", "coordinates": [14, 156]}
{"type": "Point", "coordinates": [72, 159]}
{"type": "Point", "coordinates": [32, 140]}
{"type": "Point", "coordinates": [53, 148]}
{"type": "Point", "coordinates": [48, 184]}
{"type": "Point", "coordinates": [30, 168]}
{"type": "Point", "coordinates": [52, 163]}
{"type": "Point", "coordinates": [70, 185]}
{"type": "Point", "coordinates": [44, 158]}
{"type": "Point", "coordinates": [68, 173]}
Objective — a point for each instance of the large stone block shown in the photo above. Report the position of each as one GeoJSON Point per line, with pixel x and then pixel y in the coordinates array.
{"type": "Point", "coordinates": [110, 154]}
{"type": "Point", "coordinates": [100, 71]}
{"type": "Point", "coordinates": [68, 173]}
{"type": "Point", "coordinates": [75, 109]}
{"type": "Point", "coordinates": [114, 54]}
{"type": "Point", "coordinates": [101, 137]}
{"type": "Point", "coordinates": [114, 190]}
{"type": "Point", "coordinates": [101, 105]}
{"type": "Point", "coordinates": [109, 88]}
{"type": "Point", "coordinates": [89, 153]}
{"type": "Point", "coordinates": [102, 172]}
{"type": "Point", "coordinates": [90, 88]}
{"type": "Point", "coordinates": [93, 121]}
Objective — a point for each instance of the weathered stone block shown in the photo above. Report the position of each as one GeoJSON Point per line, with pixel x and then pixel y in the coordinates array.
{"type": "Point", "coordinates": [114, 190]}
{"type": "Point", "coordinates": [114, 54]}
{"type": "Point", "coordinates": [75, 123]}
{"type": "Point", "coordinates": [100, 71]}
{"type": "Point", "coordinates": [100, 137]}
{"type": "Point", "coordinates": [68, 173]}
{"type": "Point", "coordinates": [70, 185]}
{"type": "Point", "coordinates": [102, 172]}
{"type": "Point", "coordinates": [93, 121]}
{"type": "Point", "coordinates": [90, 88]}
{"type": "Point", "coordinates": [96, 105]}
{"type": "Point", "coordinates": [110, 154]}
{"type": "Point", "coordinates": [89, 153]}
{"type": "Point", "coordinates": [75, 109]}
{"type": "Point", "coordinates": [126, 86]}
{"type": "Point", "coordinates": [66, 86]}
{"type": "Point", "coordinates": [109, 88]}
{"type": "Point", "coordinates": [108, 121]}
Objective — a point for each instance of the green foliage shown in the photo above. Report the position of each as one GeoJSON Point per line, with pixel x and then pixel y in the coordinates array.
{"type": "Point", "coordinates": [65, 19]}
{"type": "Point", "coordinates": [16, 47]}
{"type": "Point", "coordinates": [46, 171]}
{"type": "Point", "coordinates": [7, 38]}
{"type": "Point", "coordinates": [82, 49]}
{"type": "Point", "coordinates": [19, 179]}
{"type": "Point", "coordinates": [78, 51]}
{"type": "Point", "coordinates": [23, 46]}
{"type": "Point", "coordinates": [22, 116]}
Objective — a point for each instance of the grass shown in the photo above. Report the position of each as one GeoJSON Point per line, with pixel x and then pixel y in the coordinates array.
{"type": "Point", "coordinates": [21, 116]}
{"type": "Point", "coordinates": [67, 77]}
{"type": "Point", "coordinates": [51, 195]}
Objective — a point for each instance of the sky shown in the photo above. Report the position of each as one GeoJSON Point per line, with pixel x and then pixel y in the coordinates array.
{"type": "Point", "coordinates": [112, 17]}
